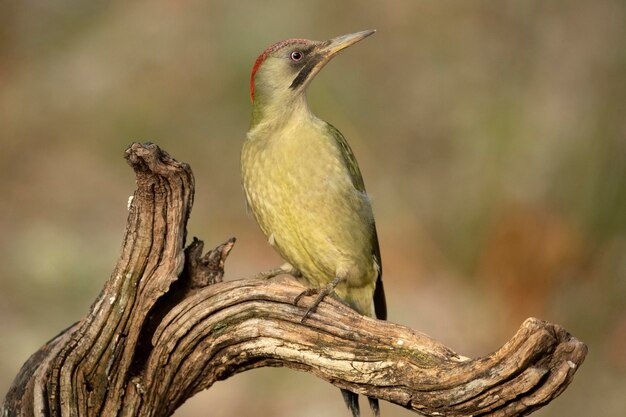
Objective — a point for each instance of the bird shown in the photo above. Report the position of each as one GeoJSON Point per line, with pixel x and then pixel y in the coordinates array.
{"type": "Point", "coordinates": [304, 187]}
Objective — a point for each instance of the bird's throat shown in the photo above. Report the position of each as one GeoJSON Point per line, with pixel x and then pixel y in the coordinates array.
{"type": "Point", "coordinates": [278, 110]}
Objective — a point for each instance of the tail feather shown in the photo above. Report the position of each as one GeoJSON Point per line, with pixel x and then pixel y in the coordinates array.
{"type": "Point", "coordinates": [352, 402]}
{"type": "Point", "coordinates": [374, 406]}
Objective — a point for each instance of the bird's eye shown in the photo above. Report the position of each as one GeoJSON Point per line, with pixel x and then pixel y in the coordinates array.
{"type": "Point", "coordinates": [296, 56]}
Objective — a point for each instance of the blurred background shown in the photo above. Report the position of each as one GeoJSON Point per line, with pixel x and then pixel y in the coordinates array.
{"type": "Point", "coordinates": [491, 135]}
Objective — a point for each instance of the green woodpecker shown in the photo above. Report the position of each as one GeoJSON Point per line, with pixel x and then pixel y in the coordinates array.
{"type": "Point", "coordinates": [304, 187]}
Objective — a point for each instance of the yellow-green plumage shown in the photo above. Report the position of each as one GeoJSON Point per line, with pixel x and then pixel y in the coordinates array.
{"type": "Point", "coordinates": [312, 206]}
{"type": "Point", "coordinates": [303, 184]}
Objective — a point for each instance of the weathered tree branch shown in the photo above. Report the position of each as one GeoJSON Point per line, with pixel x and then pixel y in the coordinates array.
{"type": "Point", "coordinates": [165, 327]}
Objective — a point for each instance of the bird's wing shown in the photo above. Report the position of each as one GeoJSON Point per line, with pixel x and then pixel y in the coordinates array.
{"type": "Point", "coordinates": [349, 159]}
{"type": "Point", "coordinates": [380, 305]}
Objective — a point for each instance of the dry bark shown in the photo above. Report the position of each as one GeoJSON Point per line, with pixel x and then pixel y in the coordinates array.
{"type": "Point", "coordinates": [165, 326]}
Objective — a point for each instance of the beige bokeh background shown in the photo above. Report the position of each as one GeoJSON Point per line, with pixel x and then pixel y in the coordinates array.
{"type": "Point", "coordinates": [491, 135]}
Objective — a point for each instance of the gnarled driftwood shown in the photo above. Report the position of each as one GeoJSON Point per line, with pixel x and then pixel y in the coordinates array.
{"type": "Point", "coordinates": [165, 326]}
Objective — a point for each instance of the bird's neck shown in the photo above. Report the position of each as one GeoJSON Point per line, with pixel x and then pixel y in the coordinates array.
{"type": "Point", "coordinates": [272, 113]}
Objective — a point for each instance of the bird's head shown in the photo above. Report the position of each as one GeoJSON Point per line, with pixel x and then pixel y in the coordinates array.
{"type": "Point", "coordinates": [284, 70]}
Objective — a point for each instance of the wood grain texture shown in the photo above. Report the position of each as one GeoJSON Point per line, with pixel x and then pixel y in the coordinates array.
{"type": "Point", "coordinates": [165, 326]}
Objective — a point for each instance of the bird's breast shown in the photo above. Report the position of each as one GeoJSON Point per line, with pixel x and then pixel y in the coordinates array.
{"type": "Point", "coordinates": [301, 193]}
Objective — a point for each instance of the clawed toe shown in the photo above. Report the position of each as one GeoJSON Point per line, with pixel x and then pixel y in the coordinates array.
{"type": "Point", "coordinates": [306, 293]}
{"type": "Point", "coordinates": [283, 269]}
{"type": "Point", "coordinates": [269, 274]}
{"type": "Point", "coordinates": [321, 294]}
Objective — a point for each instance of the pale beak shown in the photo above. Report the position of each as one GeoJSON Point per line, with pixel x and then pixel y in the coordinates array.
{"type": "Point", "coordinates": [332, 46]}
{"type": "Point", "coordinates": [323, 53]}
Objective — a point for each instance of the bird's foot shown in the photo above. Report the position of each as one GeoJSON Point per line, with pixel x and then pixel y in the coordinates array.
{"type": "Point", "coordinates": [283, 269]}
{"type": "Point", "coordinates": [321, 294]}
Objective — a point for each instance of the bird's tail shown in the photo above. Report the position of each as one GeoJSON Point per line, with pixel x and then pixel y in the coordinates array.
{"type": "Point", "coordinates": [352, 402]}
{"type": "Point", "coordinates": [374, 406]}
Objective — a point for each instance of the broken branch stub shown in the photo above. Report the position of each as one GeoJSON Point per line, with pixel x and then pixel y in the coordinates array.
{"type": "Point", "coordinates": [165, 326]}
